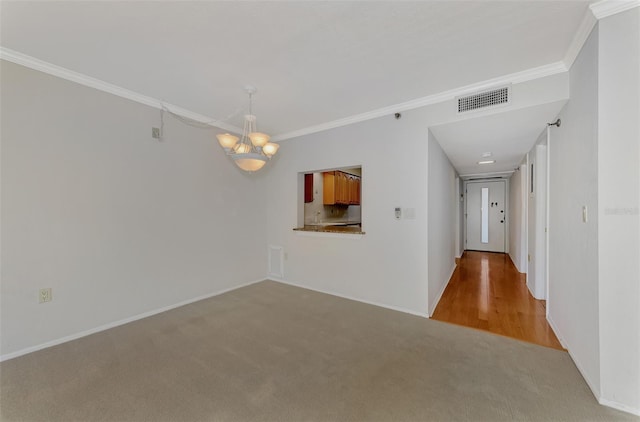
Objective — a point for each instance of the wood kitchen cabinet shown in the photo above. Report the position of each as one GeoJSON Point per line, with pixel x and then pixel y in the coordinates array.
{"type": "Point", "coordinates": [308, 188]}
{"type": "Point", "coordinates": [331, 190]}
{"type": "Point", "coordinates": [340, 188]}
{"type": "Point", "coordinates": [354, 190]}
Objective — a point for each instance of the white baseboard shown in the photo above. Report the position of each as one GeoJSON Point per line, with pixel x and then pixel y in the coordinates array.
{"type": "Point", "coordinates": [355, 299]}
{"type": "Point", "coordinates": [85, 333]}
{"type": "Point", "coordinates": [555, 330]}
{"type": "Point", "coordinates": [595, 391]}
{"type": "Point", "coordinates": [592, 387]}
{"type": "Point", "coordinates": [435, 302]}
{"type": "Point", "coordinates": [529, 289]}
{"type": "Point", "coordinates": [515, 265]}
{"type": "Point", "coordinates": [619, 406]}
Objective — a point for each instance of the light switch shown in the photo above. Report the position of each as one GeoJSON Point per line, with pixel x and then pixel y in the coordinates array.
{"type": "Point", "coordinates": [585, 215]}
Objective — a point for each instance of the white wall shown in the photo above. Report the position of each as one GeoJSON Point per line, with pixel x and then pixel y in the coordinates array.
{"type": "Point", "coordinates": [573, 245]}
{"type": "Point", "coordinates": [388, 265]}
{"type": "Point", "coordinates": [531, 220]}
{"type": "Point", "coordinates": [442, 221]}
{"type": "Point", "coordinates": [618, 205]}
{"type": "Point", "coordinates": [540, 288]}
{"type": "Point", "coordinates": [459, 244]}
{"type": "Point", "coordinates": [117, 223]}
{"type": "Point", "coordinates": [594, 286]}
{"type": "Point", "coordinates": [536, 218]}
{"type": "Point", "coordinates": [96, 209]}
{"type": "Point", "coordinates": [517, 218]}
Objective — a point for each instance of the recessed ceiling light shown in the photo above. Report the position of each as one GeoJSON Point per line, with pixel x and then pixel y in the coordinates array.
{"type": "Point", "coordinates": [487, 162]}
{"type": "Point", "coordinates": [486, 154]}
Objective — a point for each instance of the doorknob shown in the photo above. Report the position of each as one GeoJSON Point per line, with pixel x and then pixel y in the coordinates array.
{"type": "Point", "coordinates": [502, 221]}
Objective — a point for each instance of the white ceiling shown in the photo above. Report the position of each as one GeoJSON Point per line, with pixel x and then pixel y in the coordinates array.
{"type": "Point", "coordinates": [508, 136]}
{"type": "Point", "coordinates": [312, 62]}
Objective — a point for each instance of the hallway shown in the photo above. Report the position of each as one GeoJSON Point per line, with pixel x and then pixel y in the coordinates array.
{"type": "Point", "coordinates": [488, 293]}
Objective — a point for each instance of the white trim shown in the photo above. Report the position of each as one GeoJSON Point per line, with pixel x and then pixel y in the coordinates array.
{"type": "Point", "coordinates": [514, 264]}
{"type": "Point", "coordinates": [605, 8]}
{"type": "Point", "coordinates": [596, 392]}
{"type": "Point", "coordinates": [619, 406]}
{"type": "Point", "coordinates": [592, 387]}
{"type": "Point", "coordinates": [328, 292]}
{"type": "Point", "coordinates": [556, 332]}
{"type": "Point", "coordinates": [513, 78]}
{"type": "Point", "coordinates": [61, 72]}
{"type": "Point", "coordinates": [580, 37]}
{"type": "Point", "coordinates": [547, 212]}
{"type": "Point", "coordinates": [507, 214]}
{"type": "Point", "coordinates": [434, 304]}
{"type": "Point", "coordinates": [107, 326]}
{"type": "Point", "coordinates": [597, 11]}
{"type": "Point", "coordinates": [79, 78]}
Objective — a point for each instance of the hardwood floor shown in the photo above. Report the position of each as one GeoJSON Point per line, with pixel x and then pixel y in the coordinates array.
{"type": "Point", "coordinates": [487, 292]}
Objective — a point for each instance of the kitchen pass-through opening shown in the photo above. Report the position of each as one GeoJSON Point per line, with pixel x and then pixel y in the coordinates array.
{"type": "Point", "coordinates": [330, 199]}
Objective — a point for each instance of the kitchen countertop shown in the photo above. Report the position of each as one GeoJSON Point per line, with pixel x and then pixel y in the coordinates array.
{"type": "Point", "coordinates": [335, 223]}
{"type": "Point", "coordinates": [334, 228]}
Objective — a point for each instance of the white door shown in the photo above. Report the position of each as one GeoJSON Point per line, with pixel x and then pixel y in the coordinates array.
{"type": "Point", "coordinates": [486, 216]}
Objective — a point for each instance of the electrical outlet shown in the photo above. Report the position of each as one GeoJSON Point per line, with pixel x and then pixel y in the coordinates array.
{"type": "Point", "coordinates": [45, 295]}
{"type": "Point", "coordinates": [155, 132]}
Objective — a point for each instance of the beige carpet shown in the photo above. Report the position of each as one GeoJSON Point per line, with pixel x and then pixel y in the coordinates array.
{"type": "Point", "coordinates": [271, 352]}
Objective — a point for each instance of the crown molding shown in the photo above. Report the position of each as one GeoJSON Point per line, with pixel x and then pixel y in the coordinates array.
{"type": "Point", "coordinates": [605, 8]}
{"type": "Point", "coordinates": [61, 72]}
{"type": "Point", "coordinates": [70, 75]}
{"type": "Point", "coordinates": [597, 11]}
{"type": "Point", "coordinates": [513, 78]}
{"type": "Point", "coordinates": [580, 37]}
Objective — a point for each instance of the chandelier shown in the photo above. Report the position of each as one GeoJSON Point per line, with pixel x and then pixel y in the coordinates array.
{"type": "Point", "coordinates": [253, 150]}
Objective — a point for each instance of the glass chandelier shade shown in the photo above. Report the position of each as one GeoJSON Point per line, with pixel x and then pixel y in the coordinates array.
{"type": "Point", "coordinates": [253, 149]}
{"type": "Point", "coordinates": [270, 149]}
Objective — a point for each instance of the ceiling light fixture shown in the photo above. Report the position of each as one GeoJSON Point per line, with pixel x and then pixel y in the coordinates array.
{"type": "Point", "coordinates": [253, 150]}
{"type": "Point", "coordinates": [487, 162]}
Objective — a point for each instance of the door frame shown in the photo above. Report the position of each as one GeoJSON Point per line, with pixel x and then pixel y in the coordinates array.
{"type": "Point", "coordinates": [537, 224]}
{"type": "Point", "coordinates": [506, 208]}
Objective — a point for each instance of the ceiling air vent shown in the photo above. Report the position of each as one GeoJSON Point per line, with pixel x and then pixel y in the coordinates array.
{"type": "Point", "coordinates": [483, 99]}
